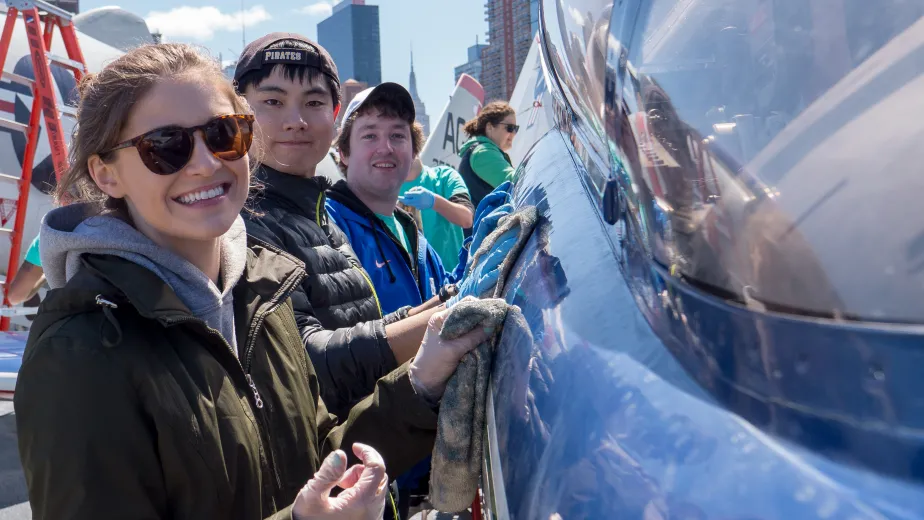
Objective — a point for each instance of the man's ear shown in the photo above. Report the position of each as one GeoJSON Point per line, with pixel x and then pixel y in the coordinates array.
{"type": "Point", "coordinates": [105, 177]}
{"type": "Point", "coordinates": [344, 158]}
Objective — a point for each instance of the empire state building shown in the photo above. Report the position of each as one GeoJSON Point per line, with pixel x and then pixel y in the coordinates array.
{"type": "Point", "coordinates": [419, 107]}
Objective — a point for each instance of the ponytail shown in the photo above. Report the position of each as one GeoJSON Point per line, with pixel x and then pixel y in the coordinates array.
{"type": "Point", "coordinates": [493, 113]}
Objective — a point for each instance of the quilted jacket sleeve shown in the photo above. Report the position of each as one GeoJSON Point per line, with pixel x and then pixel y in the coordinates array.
{"type": "Point", "coordinates": [348, 359]}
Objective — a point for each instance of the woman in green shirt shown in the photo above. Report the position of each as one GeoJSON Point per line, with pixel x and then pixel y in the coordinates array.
{"type": "Point", "coordinates": [485, 163]}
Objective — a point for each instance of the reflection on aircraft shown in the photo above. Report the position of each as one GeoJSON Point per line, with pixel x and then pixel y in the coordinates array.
{"type": "Point", "coordinates": [720, 307]}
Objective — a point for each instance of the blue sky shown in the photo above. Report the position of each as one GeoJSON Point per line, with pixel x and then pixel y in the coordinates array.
{"type": "Point", "coordinates": [440, 31]}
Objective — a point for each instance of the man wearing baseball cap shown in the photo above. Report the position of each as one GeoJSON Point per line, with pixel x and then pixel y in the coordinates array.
{"type": "Point", "coordinates": [378, 142]}
{"type": "Point", "coordinates": [292, 84]}
{"type": "Point", "coordinates": [379, 139]}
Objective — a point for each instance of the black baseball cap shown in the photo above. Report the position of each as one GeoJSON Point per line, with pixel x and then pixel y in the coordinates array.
{"type": "Point", "coordinates": [256, 55]}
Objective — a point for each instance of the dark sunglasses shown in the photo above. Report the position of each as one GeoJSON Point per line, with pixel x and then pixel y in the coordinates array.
{"type": "Point", "coordinates": [512, 128]}
{"type": "Point", "coordinates": [168, 149]}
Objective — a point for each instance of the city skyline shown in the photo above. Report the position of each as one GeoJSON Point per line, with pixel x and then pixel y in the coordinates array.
{"type": "Point", "coordinates": [511, 27]}
{"type": "Point", "coordinates": [351, 34]}
{"type": "Point", "coordinates": [473, 66]}
{"type": "Point", "coordinates": [442, 31]}
{"type": "Point", "coordinates": [420, 107]}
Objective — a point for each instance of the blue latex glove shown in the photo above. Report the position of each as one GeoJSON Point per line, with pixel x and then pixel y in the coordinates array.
{"type": "Point", "coordinates": [418, 197]}
{"type": "Point", "coordinates": [484, 276]}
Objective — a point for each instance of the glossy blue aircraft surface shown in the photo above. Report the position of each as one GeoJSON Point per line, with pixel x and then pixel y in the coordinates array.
{"type": "Point", "coordinates": [721, 307]}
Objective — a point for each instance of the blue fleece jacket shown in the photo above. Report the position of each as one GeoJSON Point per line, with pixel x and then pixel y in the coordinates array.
{"type": "Point", "coordinates": [400, 278]}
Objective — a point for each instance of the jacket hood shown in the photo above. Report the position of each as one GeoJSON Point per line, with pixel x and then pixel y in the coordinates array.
{"type": "Point", "coordinates": [342, 193]}
{"type": "Point", "coordinates": [478, 139]}
{"type": "Point", "coordinates": [74, 230]}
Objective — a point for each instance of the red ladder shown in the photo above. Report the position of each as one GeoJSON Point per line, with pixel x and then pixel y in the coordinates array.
{"type": "Point", "coordinates": [44, 101]}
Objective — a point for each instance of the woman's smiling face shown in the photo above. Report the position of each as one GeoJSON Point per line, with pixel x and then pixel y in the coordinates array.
{"type": "Point", "coordinates": [200, 201]}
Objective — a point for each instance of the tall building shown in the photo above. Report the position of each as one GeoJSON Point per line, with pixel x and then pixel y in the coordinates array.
{"type": "Point", "coordinates": [511, 26]}
{"type": "Point", "coordinates": [473, 66]}
{"type": "Point", "coordinates": [419, 106]}
{"type": "Point", "coordinates": [349, 89]}
{"type": "Point", "coordinates": [351, 35]}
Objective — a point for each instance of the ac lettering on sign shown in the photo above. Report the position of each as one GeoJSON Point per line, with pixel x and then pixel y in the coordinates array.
{"type": "Point", "coordinates": [453, 133]}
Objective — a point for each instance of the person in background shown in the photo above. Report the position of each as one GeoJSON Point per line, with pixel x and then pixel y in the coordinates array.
{"type": "Point", "coordinates": [165, 378]}
{"type": "Point", "coordinates": [485, 163]}
{"type": "Point", "coordinates": [292, 84]}
{"type": "Point", "coordinates": [29, 278]}
{"type": "Point", "coordinates": [445, 207]}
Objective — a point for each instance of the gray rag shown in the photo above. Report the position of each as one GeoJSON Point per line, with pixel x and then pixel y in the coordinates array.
{"type": "Point", "coordinates": [459, 447]}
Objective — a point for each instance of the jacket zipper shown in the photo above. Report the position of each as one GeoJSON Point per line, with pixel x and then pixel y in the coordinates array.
{"type": "Point", "coordinates": [256, 393]}
{"type": "Point", "coordinates": [317, 209]}
{"type": "Point", "coordinates": [412, 259]}
{"type": "Point", "coordinates": [375, 223]}
{"type": "Point", "coordinates": [270, 306]}
{"type": "Point", "coordinates": [415, 245]}
{"type": "Point", "coordinates": [362, 271]}
{"type": "Point", "coordinates": [412, 256]}
{"type": "Point", "coordinates": [257, 400]}
{"type": "Point", "coordinates": [252, 333]}
{"type": "Point", "coordinates": [369, 281]}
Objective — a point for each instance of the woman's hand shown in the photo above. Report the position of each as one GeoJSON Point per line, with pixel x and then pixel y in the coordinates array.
{"type": "Point", "coordinates": [365, 487]}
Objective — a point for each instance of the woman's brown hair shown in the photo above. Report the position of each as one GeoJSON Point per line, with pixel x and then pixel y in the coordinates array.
{"type": "Point", "coordinates": [493, 113]}
{"type": "Point", "coordinates": [107, 99]}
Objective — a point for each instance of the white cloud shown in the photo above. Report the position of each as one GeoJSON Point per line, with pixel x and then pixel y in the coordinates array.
{"type": "Point", "coordinates": [201, 23]}
{"type": "Point", "coordinates": [323, 8]}
{"type": "Point", "coordinates": [576, 16]}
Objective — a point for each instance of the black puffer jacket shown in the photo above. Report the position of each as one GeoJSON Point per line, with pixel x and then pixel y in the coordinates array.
{"type": "Point", "coordinates": [336, 307]}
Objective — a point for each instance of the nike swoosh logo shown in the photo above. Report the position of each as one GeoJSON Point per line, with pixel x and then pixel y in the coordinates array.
{"type": "Point", "coordinates": [381, 264]}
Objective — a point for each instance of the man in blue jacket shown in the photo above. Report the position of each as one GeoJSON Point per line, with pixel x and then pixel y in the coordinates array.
{"type": "Point", "coordinates": [379, 139]}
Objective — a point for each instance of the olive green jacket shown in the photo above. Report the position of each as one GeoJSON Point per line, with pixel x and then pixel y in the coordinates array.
{"type": "Point", "coordinates": [129, 407]}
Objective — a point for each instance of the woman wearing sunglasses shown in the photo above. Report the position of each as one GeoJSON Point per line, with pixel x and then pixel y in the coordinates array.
{"type": "Point", "coordinates": [164, 375]}
{"type": "Point", "coordinates": [485, 164]}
